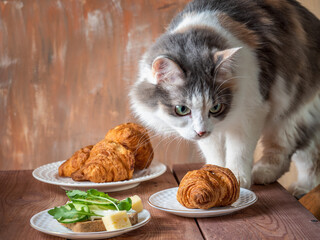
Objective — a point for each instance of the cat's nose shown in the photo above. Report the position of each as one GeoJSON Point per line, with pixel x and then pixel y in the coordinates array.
{"type": "Point", "coordinates": [200, 134]}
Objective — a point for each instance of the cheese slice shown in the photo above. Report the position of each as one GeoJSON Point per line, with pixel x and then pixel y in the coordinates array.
{"type": "Point", "coordinates": [116, 220]}
{"type": "Point", "coordinates": [136, 203]}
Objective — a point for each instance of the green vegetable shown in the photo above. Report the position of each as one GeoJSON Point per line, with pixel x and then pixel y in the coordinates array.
{"type": "Point", "coordinates": [83, 205]}
{"type": "Point", "coordinates": [125, 204]}
{"type": "Point", "coordinates": [99, 199]}
{"type": "Point", "coordinates": [70, 214]}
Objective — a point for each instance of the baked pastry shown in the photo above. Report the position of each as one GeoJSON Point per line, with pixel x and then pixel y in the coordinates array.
{"type": "Point", "coordinates": [228, 181]}
{"type": "Point", "coordinates": [125, 148]}
{"type": "Point", "coordinates": [135, 138]}
{"type": "Point", "coordinates": [108, 162]}
{"type": "Point", "coordinates": [75, 162]}
{"type": "Point", "coordinates": [210, 186]}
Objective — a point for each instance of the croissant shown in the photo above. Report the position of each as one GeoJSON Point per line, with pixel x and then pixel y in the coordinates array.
{"type": "Point", "coordinates": [135, 138]}
{"type": "Point", "coordinates": [232, 186]}
{"type": "Point", "coordinates": [75, 162]}
{"type": "Point", "coordinates": [210, 186]}
{"type": "Point", "coordinates": [108, 162]}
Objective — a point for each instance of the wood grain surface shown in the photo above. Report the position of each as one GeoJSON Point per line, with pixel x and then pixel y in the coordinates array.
{"type": "Point", "coordinates": [276, 215]}
{"type": "Point", "coordinates": [162, 225]}
{"type": "Point", "coordinates": [311, 201]}
{"type": "Point", "coordinates": [22, 196]}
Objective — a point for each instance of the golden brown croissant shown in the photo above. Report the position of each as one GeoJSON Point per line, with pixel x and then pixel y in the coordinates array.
{"type": "Point", "coordinates": [228, 179]}
{"type": "Point", "coordinates": [75, 162]}
{"type": "Point", "coordinates": [210, 186]}
{"type": "Point", "coordinates": [135, 138]}
{"type": "Point", "coordinates": [108, 162]}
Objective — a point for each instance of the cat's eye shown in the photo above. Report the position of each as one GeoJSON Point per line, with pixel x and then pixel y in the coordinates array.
{"type": "Point", "coordinates": [182, 110]}
{"type": "Point", "coordinates": [216, 109]}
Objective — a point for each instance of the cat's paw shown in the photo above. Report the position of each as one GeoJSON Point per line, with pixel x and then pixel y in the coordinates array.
{"type": "Point", "coordinates": [243, 176]}
{"type": "Point", "coordinates": [263, 173]}
{"type": "Point", "coordinates": [245, 182]}
{"type": "Point", "coordinates": [298, 191]}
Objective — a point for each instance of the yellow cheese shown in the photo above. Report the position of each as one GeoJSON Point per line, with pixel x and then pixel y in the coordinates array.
{"type": "Point", "coordinates": [116, 220]}
{"type": "Point", "coordinates": [136, 203]}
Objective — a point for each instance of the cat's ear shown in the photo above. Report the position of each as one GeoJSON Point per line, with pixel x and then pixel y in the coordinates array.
{"type": "Point", "coordinates": [166, 70]}
{"type": "Point", "coordinates": [224, 59]}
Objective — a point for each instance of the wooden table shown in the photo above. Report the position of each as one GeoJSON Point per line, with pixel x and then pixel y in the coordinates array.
{"type": "Point", "coordinates": [276, 214]}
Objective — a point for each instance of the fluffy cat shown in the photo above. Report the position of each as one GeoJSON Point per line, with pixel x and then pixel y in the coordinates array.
{"type": "Point", "coordinates": [230, 73]}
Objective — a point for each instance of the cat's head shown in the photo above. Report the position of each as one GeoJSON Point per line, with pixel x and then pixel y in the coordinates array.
{"type": "Point", "coordinates": [188, 92]}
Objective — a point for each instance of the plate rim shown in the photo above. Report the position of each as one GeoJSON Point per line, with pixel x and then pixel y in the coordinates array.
{"type": "Point", "coordinates": [87, 234]}
{"type": "Point", "coordinates": [106, 184]}
{"type": "Point", "coordinates": [204, 212]}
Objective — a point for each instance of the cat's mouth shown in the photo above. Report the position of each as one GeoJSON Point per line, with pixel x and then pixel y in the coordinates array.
{"type": "Point", "coordinates": [201, 136]}
{"type": "Point", "coordinates": [194, 136]}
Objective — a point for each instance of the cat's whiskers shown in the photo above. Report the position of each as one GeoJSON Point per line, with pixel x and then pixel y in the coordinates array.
{"type": "Point", "coordinates": [169, 143]}
{"type": "Point", "coordinates": [224, 82]}
{"type": "Point", "coordinates": [180, 141]}
{"type": "Point", "coordinates": [152, 136]}
{"type": "Point", "coordinates": [216, 70]}
{"type": "Point", "coordinates": [222, 101]}
{"type": "Point", "coordinates": [158, 144]}
{"type": "Point", "coordinates": [231, 78]}
{"type": "Point", "coordinates": [141, 143]}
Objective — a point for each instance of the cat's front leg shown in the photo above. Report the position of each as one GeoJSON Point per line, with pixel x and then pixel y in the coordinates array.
{"type": "Point", "coordinates": [213, 149]}
{"type": "Point", "coordinates": [275, 158]}
{"type": "Point", "coordinates": [239, 156]}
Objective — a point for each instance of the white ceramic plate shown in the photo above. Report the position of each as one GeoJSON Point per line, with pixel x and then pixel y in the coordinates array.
{"type": "Point", "coordinates": [49, 174]}
{"type": "Point", "coordinates": [166, 200]}
{"type": "Point", "coordinates": [45, 223]}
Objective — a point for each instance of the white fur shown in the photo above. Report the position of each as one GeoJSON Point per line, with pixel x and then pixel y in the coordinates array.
{"type": "Point", "coordinates": [284, 132]}
{"type": "Point", "coordinates": [228, 143]}
{"type": "Point", "coordinates": [307, 175]}
{"type": "Point", "coordinates": [231, 142]}
{"type": "Point", "coordinates": [234, 139]}
{"type": "Point", "coordinates": [206, 19]}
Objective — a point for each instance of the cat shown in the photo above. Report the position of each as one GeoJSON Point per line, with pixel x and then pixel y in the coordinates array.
{"type": "Point", "coordinates": [229, 74]}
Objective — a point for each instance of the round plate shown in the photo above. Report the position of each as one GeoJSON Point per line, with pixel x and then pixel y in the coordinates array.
{"type": "Point", "coordinates": [49, 174]}
{"type": "Point", "coordinates": [45, 223]}
{"type": "Point", "coordinates": [166, 200]}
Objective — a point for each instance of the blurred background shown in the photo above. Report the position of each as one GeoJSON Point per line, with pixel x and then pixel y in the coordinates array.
{"type": "Point", "coordinates": [65, 71]}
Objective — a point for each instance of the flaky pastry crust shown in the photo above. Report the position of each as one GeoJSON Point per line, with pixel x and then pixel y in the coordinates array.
{"type": "Point", "coordinates": [75, 162]}
{"type": "Point", "coordinates": [210, 186]}
{"type": "Point", "coordinates": [134, 137]}
{"type": "Point", "coordinates": [108, 162]}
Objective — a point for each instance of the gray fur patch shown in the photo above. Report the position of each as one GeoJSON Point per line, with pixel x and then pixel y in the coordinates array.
{"type": "Point", "coordinates": [192, 50]}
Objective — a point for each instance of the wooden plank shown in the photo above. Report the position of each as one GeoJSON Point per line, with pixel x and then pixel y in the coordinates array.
{"type": "Point", "coordinates": [311, 201]}
{"type": "Point", "coordinates": [162, 225]}
{"type": "Point", "coordinates": [22, 196]}
{"type": "Point", "coordinates": [276, 214]}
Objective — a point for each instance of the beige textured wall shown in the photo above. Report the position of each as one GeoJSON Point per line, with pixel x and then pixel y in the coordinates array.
{"type": "Point", "coordinates": [65, 68]}
{"type": "Point", "coordinates": [312, 5]}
